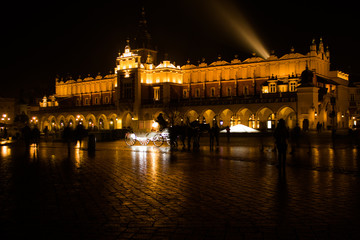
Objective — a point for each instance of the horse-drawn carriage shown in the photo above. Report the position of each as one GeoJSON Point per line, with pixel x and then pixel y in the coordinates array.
{"type": "Point", "coordinates": [171, 135]}
{"type": "Point", "coordinates": [158, 138]}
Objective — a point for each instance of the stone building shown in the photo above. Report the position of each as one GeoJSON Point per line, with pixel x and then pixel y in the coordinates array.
{"type": "Point", "coordinates": [256, 92]}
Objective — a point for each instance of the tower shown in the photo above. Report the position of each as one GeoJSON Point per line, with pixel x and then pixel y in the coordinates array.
{"type": "Point", "coordinates": [143, 42]}
{"type": "Point", "coordinates": [313, 50]}
{"type": "Point", "coordinates": [307, 100]}
{"type": "Point", "coordinates": [128, 90]}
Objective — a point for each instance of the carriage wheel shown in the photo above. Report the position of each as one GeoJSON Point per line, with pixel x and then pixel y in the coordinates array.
{"type": "Point", "coordinates": [130, 139]}
{"type": "Point", "coordinates": [158, 140]}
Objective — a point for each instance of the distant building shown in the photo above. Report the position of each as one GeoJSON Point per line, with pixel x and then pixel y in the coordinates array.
{"type": "Point", "coordinates": [8, 110]}
{"type": "Point", "coordinates": [256, 92]}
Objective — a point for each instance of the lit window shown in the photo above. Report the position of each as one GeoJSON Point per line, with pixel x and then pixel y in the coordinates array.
{"type": "Point", "coordinates": [156, 93]}
{"type": "Point", "coordinates": [292, 87]}
{"type": "Point", "coordinates": [272, 87]}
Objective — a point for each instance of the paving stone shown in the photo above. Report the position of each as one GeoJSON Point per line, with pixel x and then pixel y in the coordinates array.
{"type": "Point", "coordinates": [233, 193]}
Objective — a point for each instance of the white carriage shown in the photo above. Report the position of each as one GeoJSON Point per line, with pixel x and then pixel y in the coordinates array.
{"type": "Point", "coordinates": [158, 138]}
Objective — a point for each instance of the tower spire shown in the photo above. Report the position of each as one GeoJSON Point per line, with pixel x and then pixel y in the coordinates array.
{"type": "Point", "coordinates": [143, 37]}
{"type": "Point", "coordinates": [321, 46]}
{"type": "Point", "coordinates": [143, 43]}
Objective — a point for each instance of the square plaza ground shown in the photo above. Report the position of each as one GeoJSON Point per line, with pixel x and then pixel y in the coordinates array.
{"type": "Point", "coordinates": [145, 192]}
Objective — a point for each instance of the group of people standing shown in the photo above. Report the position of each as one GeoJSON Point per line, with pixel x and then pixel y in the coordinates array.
{"type": "Point", "coordinates": [31, 135]}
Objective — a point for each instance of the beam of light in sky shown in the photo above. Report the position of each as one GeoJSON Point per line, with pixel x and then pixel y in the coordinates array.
{"type": "Point", "coordinates": [232, 19]}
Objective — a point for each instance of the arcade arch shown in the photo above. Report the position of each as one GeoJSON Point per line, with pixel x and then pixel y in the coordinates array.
{"type": "Point", "coordinates": [61, 121]}
{"type": "Point", "coordinates": [103, 122]}
{"type": "Point", "coordinates": [127, 120]}
{"type": "Point", "coordinates": [208, 116]}
{"type": "Point", "coordinates": [71, 121]}
{"type": "Point", "coordinates": [52, 123]}
{"type": "Point", "coordinates": [226, 117]}
{"type": "Point", "coordinates": [113, 121]}
{"type": "Point", "coordinates": [245, 117]}
{"type": "Point", "coordinates": [289, 115]}
{"type": "Point", "coordinates": [79, 119]}
{"type": "Point", "coordinates": [90, 122]}
{"type": "Point", "coordinates": [191, 116]}
{"type": "Point", "coordinates": [266, 118]}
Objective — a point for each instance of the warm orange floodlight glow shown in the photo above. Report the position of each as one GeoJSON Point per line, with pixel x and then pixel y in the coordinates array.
{"type": "Point", "coordinates": [234, 21]}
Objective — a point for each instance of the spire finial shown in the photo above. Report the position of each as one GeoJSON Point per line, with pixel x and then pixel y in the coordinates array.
{"type": "Point", "coordinates": [127, 47]}
{"type": "Point", "coordinates": [321, 45]}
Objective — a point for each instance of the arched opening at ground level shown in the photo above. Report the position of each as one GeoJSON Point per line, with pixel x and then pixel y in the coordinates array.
{"type": "Point", "coordinates": [266, 118]}
{"type": "Point", "coordinates": [226, 118]}
{"type": "Point", "coordinates": [245, 117]}
{"type": "Point", "coordinates": [113, 121]}
{"type": "Point", "coordinates": [127, 120]}
{"type": "Point", "coordinates": [208, 117]}
{"type": "Point", "coordinates": [289, 115]}
{"type": "Point", "coordinates": [191, 116]}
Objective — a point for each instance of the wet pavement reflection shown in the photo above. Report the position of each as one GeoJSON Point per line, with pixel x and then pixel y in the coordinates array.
{"type": "Point", "coordinates": [145, 192]}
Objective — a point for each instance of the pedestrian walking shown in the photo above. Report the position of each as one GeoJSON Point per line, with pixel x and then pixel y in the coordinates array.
{"type": "Point", "coordinates": [68, 137]}
{"type": "Point", "coordinates": [281, 135]}
{"type": "Point", "coordinates": [228, 133]}
{"type": "Point", "coordinates": [80, 133]}
{"type": "Point", "coordinates": [162, 122]}
{"type": "Point", "coordinates": [26, 135]}
{"type": "Point", "coordinates": [35, 136]}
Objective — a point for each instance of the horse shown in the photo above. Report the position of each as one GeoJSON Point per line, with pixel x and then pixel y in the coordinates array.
{"type": "Point", "coordinates": [191, 131]}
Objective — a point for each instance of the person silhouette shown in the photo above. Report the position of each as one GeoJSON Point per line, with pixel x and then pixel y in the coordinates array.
{"type": "Point", "coordinates": [162, 122]}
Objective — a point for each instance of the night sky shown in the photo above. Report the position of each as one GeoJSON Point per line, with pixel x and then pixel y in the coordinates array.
{"type": "Point", "coordinates": [41, 40]}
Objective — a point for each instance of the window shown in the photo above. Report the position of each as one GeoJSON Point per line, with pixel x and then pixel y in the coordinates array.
{"type": "Point", "coordinates": [86, 101]}
{"type": "Point", "coordinates": [156, 93]}
{"type": "Point", "coordinates": [292, 87]}
{"type": "Point", "coordinates": [128, 90]}
{"type": "Point", "coordinates": [246, 90]}
{"type": "Point", "coordinates": [106, 100]}
{"type": "Point", "coordinates": [212, 92]}
{"type": "Point", "coordinates": [272, 87]}
{"type": "Point", "coordinates": [197, 93]}
{"type": "Point", "coordinates": [96, 100]}
{"type": "Point", "coordinates": [185, 93]}
{"type": "Point", "coordinates": [229, 91]}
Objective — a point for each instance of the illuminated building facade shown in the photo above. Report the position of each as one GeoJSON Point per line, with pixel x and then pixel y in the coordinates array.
{"type": "Point", "coordinates": [256, 92]}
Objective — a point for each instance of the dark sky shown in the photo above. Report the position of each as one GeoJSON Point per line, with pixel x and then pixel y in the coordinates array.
{"type": "Point", "coordinates": [43, 39]}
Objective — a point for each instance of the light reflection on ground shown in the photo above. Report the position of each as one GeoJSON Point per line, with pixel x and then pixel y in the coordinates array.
{"type": "Point", "coordinates": [229, 191]}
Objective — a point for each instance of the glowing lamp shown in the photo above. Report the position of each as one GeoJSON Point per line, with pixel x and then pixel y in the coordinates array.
{"type": "Point", "coordinates": [155, 125]}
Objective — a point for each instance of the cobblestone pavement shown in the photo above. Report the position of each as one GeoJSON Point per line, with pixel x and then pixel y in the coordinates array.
{"type": "Point", "coordinates": [139, 192]}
